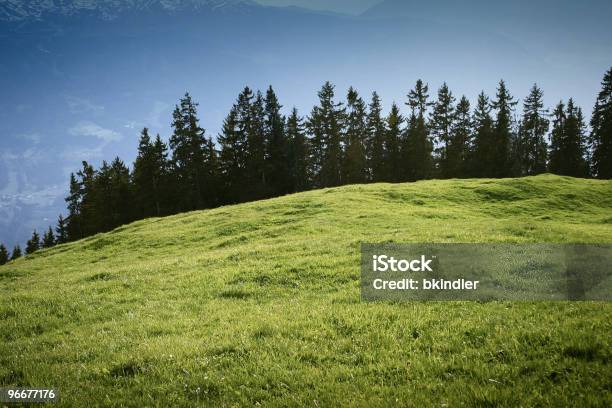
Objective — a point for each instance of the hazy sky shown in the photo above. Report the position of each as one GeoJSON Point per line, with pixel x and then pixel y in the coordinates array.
{"type": "Point", "coordinates": [340, 6]}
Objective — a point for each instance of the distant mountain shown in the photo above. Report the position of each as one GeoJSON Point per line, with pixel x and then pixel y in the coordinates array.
{"type": "Point", "coordinates": [511, 17]}
{"type": "Point", "coordinates": [19, 10]}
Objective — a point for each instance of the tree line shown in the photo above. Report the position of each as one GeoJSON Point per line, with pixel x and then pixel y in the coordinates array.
{"type": "Point", "coordinates": [260, 153]}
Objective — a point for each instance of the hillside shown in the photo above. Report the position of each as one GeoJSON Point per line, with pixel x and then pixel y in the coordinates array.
{"type": "Point", "coordinates": [259, 303]}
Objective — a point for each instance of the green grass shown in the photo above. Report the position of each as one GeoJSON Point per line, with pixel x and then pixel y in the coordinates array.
{"type": "Point", "coordinates": [259, 304]}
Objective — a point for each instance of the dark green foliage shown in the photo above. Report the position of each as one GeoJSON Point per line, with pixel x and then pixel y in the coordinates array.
{"type": "Point", "coordinates": [232, 141]}
{"type": "Point", "coordinates": [601, 133]}
{"type": "Point", "coordinates": [73, 201]}
{"type": "Point", "coordinates": [33, 243]}
{"type": "Point", "coordinates": [253, 117]}
{"type": "Point", "coordinates": [150, 177]}
{"type": "Point", "coordinates": [503, 137]}
{"type": "Point", "coordinates": [354, 164]}
{"type": "Point", "coordinates": [298, 153]}
{"type": "Point", "coordinates": [417, 146]}
{"type": "Point", "coordinates": [392, 169]}
{"type": "Point", "coordinates": [325, 126]}
{"type": "Point", "coordinates": [376, 134]}
{"type": "Point", "coordinates": [48, 239]}
{"type": "Point", "coordinates": [441, 125]}
{"type": "Point", "coordinates": [277, 157]}
{"type": "Point", "coordinates": [482, 161]}
{"type": "Point", "coordinates": [61, 230]}
{"type": "Point", "coordinates": [16, 253]}
{"type": "Point", "coordinates": [189, 158]}
{"type": "Point", "coordinates": [460, 144]}
{"type": "Point", "coordinates": [531, 146]}
{"type": "Point", "coordinates": [568, 142]}
{"type": "Point", "coordinates": [4, 255]}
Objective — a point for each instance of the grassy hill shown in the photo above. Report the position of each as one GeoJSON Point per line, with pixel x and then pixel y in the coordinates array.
{"type": "Point", "coordinates": [259, 303]}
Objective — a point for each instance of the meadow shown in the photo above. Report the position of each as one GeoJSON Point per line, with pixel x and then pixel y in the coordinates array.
{"type": "Point", "coordinates": [259, 304]}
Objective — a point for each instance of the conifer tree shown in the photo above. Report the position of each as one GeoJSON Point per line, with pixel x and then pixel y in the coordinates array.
{"type": "Point", "coordinates": [16, 253]}
{"type": "Point", "coordinates": [482, 161]}
{"type": "Point", "coordinates": [88, 212]}
{"type": "Point", "coordinates": [33, 243]}
{"type": "Point", "coordinates": [326, 123]}
{"type": "Point", "coordinates": [73, 200]}
{"type": "Point", "coordinates": [277, 146]}
{"type": "Point", "coordinates": [81, 214]}
{"type": "Point", "coordinates": [354, 164]}
{"type": "Point", "coordinates": [376, 132]}
{"type": "Point", "coordinates": [568, 142]}
{"type": "Point", "coordinates": [48, 239]}
{"type": "Point", "coordinates": [231, 157]}
{"type": "Point", "coordinates": [257, 186]}
{"type": "Point", "coordinates": [601, 130]}
{"type": "Point", "coordinates": [150, 175]}
{"type": "Point", "coordinates": [531, 136]}
{"type": "Point", "coordinates": [120, 198]}
{"type": "Point", "coordinates": [212, 174]}
{"type": "Point", "coordinates": [298, 153]}
{"type": "Point", "coordinates": [61, 230]}
{"type": "Point", "coordinates": [503, 137]}
{"type": "Point", "coordinates": [392, 170]}
{"type": "Point", "coordinates": [4, 255]}
{"type": "Point", "coordinates": [188, 158]}
{"type": "Point", "coordinates": [441, 124]}
{"type": "Point", "coordinates": [417, 159]}
{"type": "Point", "coordinates": [557, 140]}
{"type": "Point", "coordinates": [461, 141]}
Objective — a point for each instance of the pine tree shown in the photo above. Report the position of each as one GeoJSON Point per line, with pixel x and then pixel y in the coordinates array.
{"type": "Point", "coordinates": [441, 125]}
{"type": "Point", "coordinates": [326, 124]}
{"type": "Point", "coordinates": [88, 214]}
{"type": "Point", "coordinates": [277, 146]}
{"type": "Point", "coordinates": [121, 197]}
{"type": "Point", "coordinates": [354, 164]}
{"type": "Point", "coordinates": [375, 152]}
{"type": "Point", "coordinates": [33, 243]}
{"type": "Point", "coordinates": [482, 160]}
{"type": "Point", "coordinates": [4, 255]}
{"type": "Point", "coordinates": [212, 174]}
{"type": "Point", "coordinates": [48, 239]}
{"type": "Point", "coordinates": [254, 117]}
{"type": "Point", "coordinates": [61, 230]}
{"type": "Point", "coordinates": [16, 253]}
{"type": "Point", "coordinates": [601, 130]}
{"type": "Point", "coordinates": [568, 142]}
{"type": "Point", "coordinates": [533, 128]}
{"type": "Point", "coordinates": [232, 161]}
{"type": "Point", "coordinates": [392, 170]}
{"type": "Point", "coordinates": [417, 159]}
{"type": "Point", "coordinates": [150, 175]}
{"type": "Point", "coordinates": [188, 158]}
{"type": "Point", "coordinates": [503, 137]}
{"type": "Point", "coordinates": [298, 153]}
{"type": "Point", "coordinates": [461, 141]}
{"type": "Point", "coordinates": [557, 140]}
{"type": "Point", "coordinates": [73, 200]}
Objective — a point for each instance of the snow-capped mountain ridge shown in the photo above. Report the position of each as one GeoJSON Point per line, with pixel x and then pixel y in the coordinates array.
{"type": "Point", "coordinates": [22, 10]}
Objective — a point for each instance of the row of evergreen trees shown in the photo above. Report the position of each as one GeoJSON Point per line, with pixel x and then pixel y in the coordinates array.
{"type": "Point", "coordinates": [260, 153]}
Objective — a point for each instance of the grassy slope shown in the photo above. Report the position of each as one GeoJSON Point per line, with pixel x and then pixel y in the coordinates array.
{"type": "Point", "coordinates": [259, 303]}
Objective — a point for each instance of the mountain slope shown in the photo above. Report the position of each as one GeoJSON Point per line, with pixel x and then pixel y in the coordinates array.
{"type": "Point", "coordinates": [18, 10]}
{"type": "Point", "coordinates": [259, 303]}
